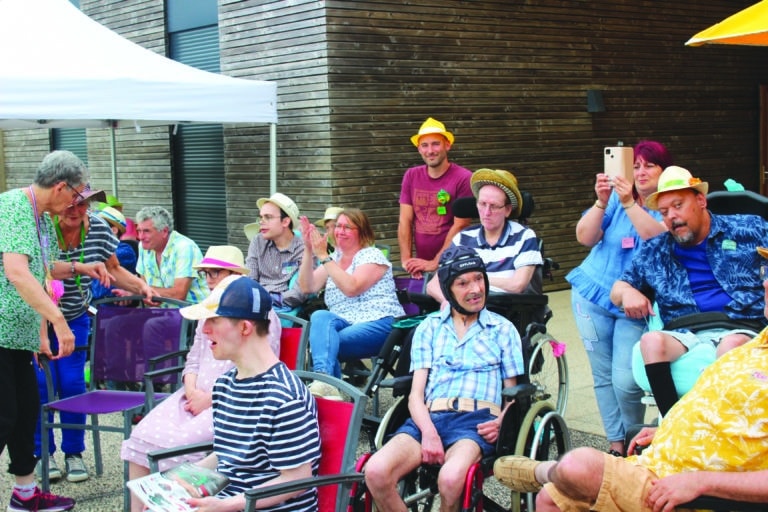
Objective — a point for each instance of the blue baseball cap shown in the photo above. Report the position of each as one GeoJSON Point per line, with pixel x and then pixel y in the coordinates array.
{"type": "Point", "coordinates": [236, 296]}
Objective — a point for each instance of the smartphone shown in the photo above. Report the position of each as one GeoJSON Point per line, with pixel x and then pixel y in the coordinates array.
{"type": "Point", "coordinates": [619, 161]}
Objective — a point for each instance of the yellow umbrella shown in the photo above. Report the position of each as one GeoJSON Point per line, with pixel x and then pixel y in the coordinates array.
{"type": "Point", "coordinates": [748, 27]}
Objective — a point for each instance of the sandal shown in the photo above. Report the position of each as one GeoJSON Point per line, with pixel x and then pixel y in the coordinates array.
{"type": "Point", "coordinates": [517, 473]}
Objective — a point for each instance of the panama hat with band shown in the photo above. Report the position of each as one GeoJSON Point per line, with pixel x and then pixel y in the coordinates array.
{"type": "Point", "coordinates": [432, 126]}
{"type": "Point", "coordinates": [331, 213]}
{"type": "Point", "coordinates": [675, 178]}
{"type": "Point", "coordinates": [234, 297]}
{"type": "Point", "coordinates": [505, 180]}
{"type": "Point", "coordinates": [113, 217]}
{"type": "Point", "coordinates": [225, 257]}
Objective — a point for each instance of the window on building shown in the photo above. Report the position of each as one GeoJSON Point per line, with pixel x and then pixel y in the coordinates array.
{"type": "Point", "coordinates": [199, 196]}
{"type": "Point", "coordinates": [71, 139]}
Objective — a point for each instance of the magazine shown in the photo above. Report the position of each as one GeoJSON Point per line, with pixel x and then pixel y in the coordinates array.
{"type": "Point", "coordinates": [162, 492]}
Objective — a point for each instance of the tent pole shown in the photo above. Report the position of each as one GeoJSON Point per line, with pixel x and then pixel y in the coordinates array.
{"type": "Point", "coordinates": [272, 158]}
{"type": "Point", "coordinates": [114, 159]}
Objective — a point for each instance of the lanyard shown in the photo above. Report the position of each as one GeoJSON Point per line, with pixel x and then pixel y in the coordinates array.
{"type": "Point", "coordinates": [62, 244]}
{"type": "Point", "coordinates": [42, 238]}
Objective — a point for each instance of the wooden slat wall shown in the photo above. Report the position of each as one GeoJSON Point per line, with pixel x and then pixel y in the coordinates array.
{"type": "Point", "coordinates": [509, 78]}
{"type": "Point", "coordinates": [143, 157]}
{"type": "Point", "coordinates": [284, 42]}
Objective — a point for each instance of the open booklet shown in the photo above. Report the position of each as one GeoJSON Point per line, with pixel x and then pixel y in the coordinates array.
{"type": "Point", "coordinates": [162, 492]}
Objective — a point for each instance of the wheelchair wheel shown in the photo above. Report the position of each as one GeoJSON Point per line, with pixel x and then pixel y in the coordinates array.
{"type": "Point", "coordinates": [418, 489]}
{"type": "Point", "coordinates": [548, 373]}
{"type": "Point", "coordinates": [543, 436]}
{"type": "Point", "coordinates": [392, 420]}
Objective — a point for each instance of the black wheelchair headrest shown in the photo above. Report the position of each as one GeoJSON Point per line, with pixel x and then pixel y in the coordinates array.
{"type": "Point", "coordinates": [745, 201]}
{"type": "Point", "coordinates": [466, 207]}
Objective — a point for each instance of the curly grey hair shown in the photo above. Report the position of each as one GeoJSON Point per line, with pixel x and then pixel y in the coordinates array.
{"type": "Point", "coordinates": [159, 216]}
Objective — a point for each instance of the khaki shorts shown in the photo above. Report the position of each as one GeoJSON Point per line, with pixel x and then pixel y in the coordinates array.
{"type": "Point", "coordinates": [624, 489]}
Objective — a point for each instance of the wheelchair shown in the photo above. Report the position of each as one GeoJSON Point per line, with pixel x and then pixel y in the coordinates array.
{"type": "Point", "coordinates": [687, 368]}
{"type": "Point", "coordinates": [533, 425]}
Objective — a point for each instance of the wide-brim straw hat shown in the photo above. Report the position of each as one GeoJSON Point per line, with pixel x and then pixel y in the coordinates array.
{"type": "Point", "coordinates": [675, 178]}
{"type": "Point", "coordinates": [331, 213]}
{"type": "Point", "coordinates": [226, 257]}
{"type": "Point", "coordinates": [113, 217]}
{"type": "Point", "coordinates": [432, 126]}
{"type": "Point", "coordinates": [505, 180]}
{"type": "Point", "coordinates": [251, 230]}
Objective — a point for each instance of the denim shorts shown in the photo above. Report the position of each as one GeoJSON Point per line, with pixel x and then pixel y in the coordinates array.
{"type": "Point", "coordinates": [454, 426]}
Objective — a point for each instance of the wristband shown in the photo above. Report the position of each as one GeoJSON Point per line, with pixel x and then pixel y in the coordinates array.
{"type": "Point", "coordinates": [72, 268]}
{"type": "Point", "coordinates": [630, 205]}
{"type": "Point", "coordinates": [599, 205]}
{"type": "Point", "coordinates": [325, 260]}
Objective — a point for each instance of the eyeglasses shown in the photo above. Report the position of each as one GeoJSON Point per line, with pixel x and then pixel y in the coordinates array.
{"type": "Point", "coordinates": [263, 219]}
{"type": "Point", "coordinates": [82, 205]}
{"type": "Point", "coordinates": [346, 228]}
{"type": "Point", "coordinates": [77, 197]}
{"type": "Point", "coordinates": [494, 208]}
{"type": "Point", "coordinates": [213, 273]}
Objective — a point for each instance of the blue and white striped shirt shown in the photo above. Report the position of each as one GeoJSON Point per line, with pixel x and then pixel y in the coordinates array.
{"type": "Point", "coordinates": [517, 247]}
{"type": "Point", "coordinates": [262, 425]}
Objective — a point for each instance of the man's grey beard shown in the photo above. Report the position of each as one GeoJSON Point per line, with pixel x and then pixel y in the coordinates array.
{"type": "Point", "coordinates": [684, 240]}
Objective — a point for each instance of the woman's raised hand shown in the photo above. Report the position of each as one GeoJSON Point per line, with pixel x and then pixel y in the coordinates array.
{"type": "Point", "coordinates": [623, 189]}
{"type": "Point", "coordinates": [603, 187]}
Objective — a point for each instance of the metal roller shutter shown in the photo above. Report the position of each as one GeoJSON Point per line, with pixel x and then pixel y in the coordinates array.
{"type": "Point", "coordinates": [198, 152]}
{"type": "Point", "coordinates": [72, 139]}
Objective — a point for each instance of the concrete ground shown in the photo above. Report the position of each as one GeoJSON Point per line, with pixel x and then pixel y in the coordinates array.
{"type": "Point", "coordinates": [104, 493]}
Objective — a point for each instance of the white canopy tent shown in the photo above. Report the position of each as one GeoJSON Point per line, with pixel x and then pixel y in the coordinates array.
{"type": "Point", "coordinates": [61, 69]}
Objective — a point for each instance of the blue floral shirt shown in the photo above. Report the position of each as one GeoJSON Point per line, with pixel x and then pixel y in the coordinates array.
{"type": "Point", "coordinates": [731, 252]}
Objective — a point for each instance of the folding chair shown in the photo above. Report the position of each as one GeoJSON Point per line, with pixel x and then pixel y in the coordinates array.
{"type": "Point", "coordinates": [340, 423]}
{"type": "Point", "coordinates": [119, 349]}
{"type": "Point", "coordinates": [294, 341]}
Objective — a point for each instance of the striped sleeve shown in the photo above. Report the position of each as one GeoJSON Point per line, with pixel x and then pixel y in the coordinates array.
{"type": "Point", "coordinates": [262, 426]}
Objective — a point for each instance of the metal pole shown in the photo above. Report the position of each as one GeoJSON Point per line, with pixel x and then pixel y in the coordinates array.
{"type": "Point", "coordinates": [114, 159]}
{"type": "Point", "coordinates": [272, 158]}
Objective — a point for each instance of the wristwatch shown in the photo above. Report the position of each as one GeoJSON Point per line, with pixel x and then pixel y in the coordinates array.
{"type": "Point", "coordinates": [325, 260]}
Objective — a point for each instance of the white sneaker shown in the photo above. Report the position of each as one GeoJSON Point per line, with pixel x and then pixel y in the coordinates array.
{"type": "Point", "coordinates": [325, 390]}
{"type": "Point", "coordinates": [76, 470]}
{"type": "Point", "coordinates": [54, 473]}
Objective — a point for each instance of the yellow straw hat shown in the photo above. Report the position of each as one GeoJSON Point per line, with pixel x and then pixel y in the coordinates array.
{"type": "Point", "coordinates": [431, 126]}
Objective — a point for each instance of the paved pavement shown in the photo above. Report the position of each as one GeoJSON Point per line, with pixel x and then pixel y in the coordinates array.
{"type": "Point", "coordinates": [105, 493]}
